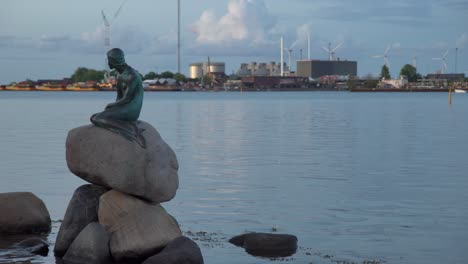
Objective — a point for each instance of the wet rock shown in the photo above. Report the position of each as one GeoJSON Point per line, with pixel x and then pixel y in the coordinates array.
{"type": "Point", "coordinates": [181, 250]}
{"type": "Point", "coordinates": [23, 213]}
{"type": "Point", "coordinates": [34, 245]}
{"type": "Point", "coordinates": [22, 246]}
{"type": "Point", "coordinates": [107, 159]}
{"type": "Point", "coordinates": [138, 229]}
{"type": "Point", "coordinates": [81, 211]}
{"type": "Point", "coordinates": [90, 246]}
{"type": "Point", "coordinates": [267, 245]}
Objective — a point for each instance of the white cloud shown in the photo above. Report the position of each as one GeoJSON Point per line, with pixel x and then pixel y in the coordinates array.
{"type": "Point", "coordinates": [131, 39]}
{"type": "Point", "coordinates": [462, 41]}
{"type": "Point", "coordinates": [95, 36]}
{"type": "Point", "coordinates": [303, 31]}
{"type": "Point", "coordinates": [245, 21]}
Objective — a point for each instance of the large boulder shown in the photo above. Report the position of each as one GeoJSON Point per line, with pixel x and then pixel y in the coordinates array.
{"type": "Point", "coordinates": [181, 250]}
{"type": "Point", "coordinates": [267, 245]}
{"type": "Point", "coordinates": [81, 211]}
{"type": "Point", "coordinates": [138, 229]}
{"type": "Point", "coordinates": [90, 246]}
{"type": "Point", "coordinates": [23, 213]}
{"type": "Point", "coordinates": [108, 159]}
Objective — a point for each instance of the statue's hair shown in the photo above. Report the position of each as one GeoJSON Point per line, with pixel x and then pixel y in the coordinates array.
{"type": "Point", "coordinates": [116, 56]}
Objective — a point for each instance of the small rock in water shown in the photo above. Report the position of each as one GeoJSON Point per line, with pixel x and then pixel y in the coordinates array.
{"type": "Point", "coordinates": [27, 247]}
{"type": "Point", "coordinates": [267, 245]}
{"type": "Point", "coordinates": [34, 245]}
{"type": "Point", "coordinates": [23, 213]}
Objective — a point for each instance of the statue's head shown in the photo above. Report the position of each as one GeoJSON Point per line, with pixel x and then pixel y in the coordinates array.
{"type": "Point", "coordinates": [115, 58]}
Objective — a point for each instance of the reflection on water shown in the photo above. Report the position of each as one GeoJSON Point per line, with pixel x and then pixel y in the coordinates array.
{"type": "Point", "coordinates": [354, 176]}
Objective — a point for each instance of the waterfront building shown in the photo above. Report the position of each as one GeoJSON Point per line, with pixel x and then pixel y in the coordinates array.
{"type": "Point", "coordinates": [318, 68]}
{"type": "Point", "coordinates": [261, 69]}
{"type": "Point", "coordinates": [63, 82]}
{"type": "Point", "coordinates": [399, 83]}
{"type": "Point", "coordinates": [452, 77]}
{"type": "Point", "coordinates": [273, 82]}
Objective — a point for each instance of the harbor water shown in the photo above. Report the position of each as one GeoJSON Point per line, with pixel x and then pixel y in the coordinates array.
{"type": "Point", "coordinates": [356, 177]}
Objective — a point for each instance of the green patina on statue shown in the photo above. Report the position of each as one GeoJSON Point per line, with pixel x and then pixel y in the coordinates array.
{"type": "Point", "coordinates": [121, 116]}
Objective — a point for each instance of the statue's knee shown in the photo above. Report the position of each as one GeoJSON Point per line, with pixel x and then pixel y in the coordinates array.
{"type": "Point", "coordinates": [95, 119]}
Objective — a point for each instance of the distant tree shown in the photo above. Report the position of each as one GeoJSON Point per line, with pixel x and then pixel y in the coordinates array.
{"type": "Point", "coordinates": [234, 77]}
{"type": "Point", "coordinates": [167, 74]}
{"type": "Point", "coordinates": [385, 73]}
{"type": "Point", "coordinates": [151, 76]}
{"type": "Point", "coordinates": [180, 77]}
{"type": "Point", "coordinates": [29, 82]}
{"type": "Point", "coordinates": [206, 79]}
{"type": "Point", "coordinates": [369, 76]}
{"type": "Point", "coordinates": [351, 82]}
{"type": "Point", "coordinates": [79, 74]}
{"type": "Point", "coordinates": [83, 74]}
{"type": "Point", "coordinates": [370, 83]}
{"type": "Point", "coordinates": [410, 71]}
{"type": "Point", "coordinates": [94, 75]}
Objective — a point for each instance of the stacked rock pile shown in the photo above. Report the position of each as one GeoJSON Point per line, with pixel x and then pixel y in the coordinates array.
{"type": "Point", "coordinates": [118, 217]}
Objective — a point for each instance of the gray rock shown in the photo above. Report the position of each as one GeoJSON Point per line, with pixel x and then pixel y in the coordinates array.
{"type": "Point", "coordinates": [138, 229]}
{"type": "Point", "coordinates": [23, 213]}
{"type": "Point", "coordinates": [22, 246]}
{"type": "Point", "coordinates": [81, 211]}
{"type": "Point", "coordinates": [181, 250]}
{"type": "Point", "coordinates": [105, 158]}
{"type": "Point", "coordinates": [267, 245]}
{"type": "Point", "coordinates": [90, 246]}
{"type": "Point", "coordinates": [34, 245]}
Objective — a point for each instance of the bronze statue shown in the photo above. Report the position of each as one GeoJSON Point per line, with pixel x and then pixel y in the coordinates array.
{"type": "Point", "coordinates": [121, 116]}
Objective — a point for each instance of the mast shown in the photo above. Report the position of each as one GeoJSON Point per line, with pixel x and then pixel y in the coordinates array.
{"type": "Point", "coordinates": [178, 36]}
{"type": "Point", "coordinates": [282, 55]}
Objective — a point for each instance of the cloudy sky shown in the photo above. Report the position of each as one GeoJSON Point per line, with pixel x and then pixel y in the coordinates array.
{"type": "Point", "coordinates": [50, 38]}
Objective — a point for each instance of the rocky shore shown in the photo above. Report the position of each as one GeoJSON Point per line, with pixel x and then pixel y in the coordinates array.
{"type": "Point", "coordinates": [118, 216]}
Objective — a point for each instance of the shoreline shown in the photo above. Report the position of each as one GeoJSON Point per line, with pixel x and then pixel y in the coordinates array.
{"type": "Point", "coordinates": [179, 89]}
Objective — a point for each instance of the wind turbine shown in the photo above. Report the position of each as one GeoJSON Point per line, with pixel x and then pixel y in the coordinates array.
{"type": "Point", "coordinates": [106, 30]}
{"type": "Point", "coordinates": [443, 61]}
{"type": "Point", "coordinates": [331, 52]}
{"type": "Point", "coordinates": [107, 33]}
{"type": "Point", "coordinates": [289, 54]}
{"type": "Point", "coordinates": [385, 56]}
{"type": "Point", "coordinates": [107, 24]}
{"type": "Point", "coordinates": [415, 63]}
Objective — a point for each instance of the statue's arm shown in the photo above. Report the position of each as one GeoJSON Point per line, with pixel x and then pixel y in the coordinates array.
{"type": "Point", "coordinates": [119, 96]}
{"type": "Point", "coordinates": [128, 95]}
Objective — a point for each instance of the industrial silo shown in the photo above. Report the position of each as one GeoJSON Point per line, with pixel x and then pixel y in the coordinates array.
{"type": "Point", "coordinates": [196, 70]}
{"type": "Point", "coordinates": [217, 67]}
